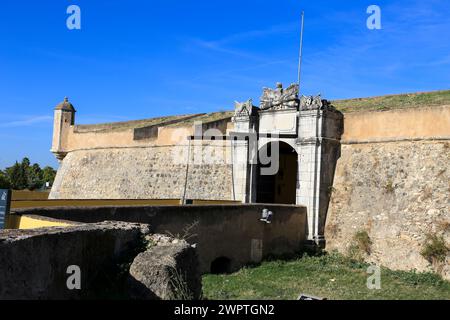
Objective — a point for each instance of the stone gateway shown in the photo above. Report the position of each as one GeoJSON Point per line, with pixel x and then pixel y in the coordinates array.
{"type": "Point", "coordinates": [283, 151]}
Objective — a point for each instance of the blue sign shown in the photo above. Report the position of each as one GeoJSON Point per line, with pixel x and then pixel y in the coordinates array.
{"type": "Point", "coordinates": [5, 204]}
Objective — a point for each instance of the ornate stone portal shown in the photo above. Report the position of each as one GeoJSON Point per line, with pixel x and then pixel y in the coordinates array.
{"type": "Point", "coordinates": [311, 127]}
{"type": "Point", "coordinates": [283, 151]}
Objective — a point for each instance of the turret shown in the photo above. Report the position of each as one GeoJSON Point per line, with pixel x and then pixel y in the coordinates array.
{"type": "Point", "coordinates": [64, 119]}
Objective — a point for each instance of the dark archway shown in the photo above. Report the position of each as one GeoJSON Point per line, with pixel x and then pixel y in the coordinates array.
{"type": "Point", "coordinates": [221, 265]}
{"type": "Point", "coordinates": [280, 187]}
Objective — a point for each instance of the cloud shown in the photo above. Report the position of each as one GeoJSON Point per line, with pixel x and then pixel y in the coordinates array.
{"type": "Point", "coordinates": [252, 34]}
{"type": "Point", "coordinates": [27, 122]}
{"type": "Point", "coordinates": [227, 44]}
{"type": "Point", "coordinates": [218, 47]}
{"type": "Point", "coordinates": [412, 45]}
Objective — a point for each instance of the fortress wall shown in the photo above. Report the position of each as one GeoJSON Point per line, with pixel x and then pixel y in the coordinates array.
{"type": "Point", "coordinates": [150, 172]}
{"type": "Point", "coordinates": [392, 181]}
{"type": "Point", "coordinates": [35, 262]}
{"type": "Point", "coordinates": [173, 135]}
{"type": "Point", "coordinates": [232, 231]}
{"type": "Point", "coordinates": [88, 140]}
{"type": "Point", "coordinates": [124, 138]}
{"type": "Point", "coordinates": [397, 192]}
{"type": "Point", "coordinates": [426, 122]}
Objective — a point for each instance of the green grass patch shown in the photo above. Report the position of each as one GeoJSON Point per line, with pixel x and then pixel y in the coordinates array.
{"type": "Point", "coordinates": [331, 276]}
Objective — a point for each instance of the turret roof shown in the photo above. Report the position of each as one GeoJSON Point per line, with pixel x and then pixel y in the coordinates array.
{"type": "Point", "coordinates": [65, 106]}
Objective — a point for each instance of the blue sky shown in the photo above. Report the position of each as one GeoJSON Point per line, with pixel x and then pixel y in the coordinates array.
{"type": "Point", "coordinates": [139, 59]}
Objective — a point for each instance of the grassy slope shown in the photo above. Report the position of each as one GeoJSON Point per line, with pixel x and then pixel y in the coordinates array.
{"type": "Point", "coordinates": [413, 100]}
{"type": "Point", "coordinates": [330, 276]}
{"type": "Point", "coordinates": [209, 117]}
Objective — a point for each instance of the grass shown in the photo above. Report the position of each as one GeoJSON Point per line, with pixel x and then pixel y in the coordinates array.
{"type": "Point", "coordinates": [390, 102]}
{"type": "Point", "coordinates": [331, 276]}
{"type": "Point", "coordinates": [125, 125]}
{"type": "Point", "coordinates": [207, 118]}
{"type": "Point", "coordinates": [435, 249]}
{"type": "Point", "coordinates": [360, 246]}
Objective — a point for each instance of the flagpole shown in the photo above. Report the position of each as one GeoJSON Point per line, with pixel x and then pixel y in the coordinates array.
{"type": "Point", "coordinates": [301, 50]}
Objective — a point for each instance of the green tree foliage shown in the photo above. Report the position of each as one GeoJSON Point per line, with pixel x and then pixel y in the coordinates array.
{"type": "Point", "coordinates": [24, 175]}
{"type": "Point", "coordinates": [34, 177]}
{"type": "Point", "coordinates": [48, 175]}
{"type": "Point", "coordinates": [17, 176]}
{"type": "Point", "coordinates": [4, 182]}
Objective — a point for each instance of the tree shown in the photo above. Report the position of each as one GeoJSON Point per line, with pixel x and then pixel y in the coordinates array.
{"type": "Point", "coordinates": [17, 176]}
{"type": "Point", "coordinates": [34, 177]}
{"type": "Point", "coordinates": [26, 176]}
{"type": "Point", "coordinates": [4, 182]}
{"type": "Point", "coordinates": [48, 175]}
{"type": "Point", "coordinates": [25, 163]}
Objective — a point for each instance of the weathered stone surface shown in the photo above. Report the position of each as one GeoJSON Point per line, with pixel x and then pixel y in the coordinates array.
{"type": "Point", "coordinates": [398, 193]}
{"type": "Point", "coordinates": [146, 173]}
{"type": "Point", "coordinates": [34, 263]}
{"type": "Point", "coordinates": [243, 109]}
{"type": "Point", "coordinates": [168, 270]}
{"type": "Point", "coordinates": [279, 98]}
{"type": "Point", "coordinates": [218, 230]}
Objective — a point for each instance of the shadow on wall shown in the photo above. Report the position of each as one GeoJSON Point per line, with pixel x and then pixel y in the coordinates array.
{"type": "Point", "coordinates": [221, 265]}
{"type": "Point", "coordinates": [220, 232]}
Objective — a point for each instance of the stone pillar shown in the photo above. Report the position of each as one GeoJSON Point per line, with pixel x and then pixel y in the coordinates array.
{"type": "Point", "coordinates": [309, 156]}
{"type": "Point", "coordinates": [243, 140]}
{"type": "Point", "coordinates": [240, 169]}
{"type": "Point", "coordinates": [318, 146]}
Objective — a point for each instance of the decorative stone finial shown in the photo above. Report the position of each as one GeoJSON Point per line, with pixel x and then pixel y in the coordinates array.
{"type": "Point", "coordinates": [65, 106]}
{"type": "Point", "coordinates": [243, 109]}
{"type": "Point", "coordinates": [314, 103]}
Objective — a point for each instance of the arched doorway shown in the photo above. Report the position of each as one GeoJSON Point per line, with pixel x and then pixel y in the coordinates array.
{"type": "Point", "coordinates": [221, 265]}
{"type": "Point", "coordinates": [279, 187]}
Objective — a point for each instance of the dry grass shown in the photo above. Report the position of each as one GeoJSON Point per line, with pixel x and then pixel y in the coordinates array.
{"type": "Point", "coordinates": [360, 246]}
{"type": "Point", "coordinates": [207, 118]}
{"type": "Point", "coordinates": [443, 226]}
{"type": "Point", "coordinates": [124, 125]}
{"type": "Point", "coordinates": [390, 102]}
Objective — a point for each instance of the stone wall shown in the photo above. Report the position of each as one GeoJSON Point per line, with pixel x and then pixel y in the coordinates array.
{"type": "Point", "coordinates": [418, 123]}
{"type": "Point", "coordinates": [153, 172]}
{"type": "Point", "coordinates": [34, 263]}
{"type": "Point", "coordinates": [231, 231]}
{"type": "Point", "coordinates": [398, 193]}
{"type": "Point", "coordinates": [114, 260]}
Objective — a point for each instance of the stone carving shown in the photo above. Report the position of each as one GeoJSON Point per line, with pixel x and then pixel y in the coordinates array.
{"type": "Point", "coordinates": [243, 109]}
{"type": "Point", "coordinates": [279, 98]}
{"type": "Point", "coordinates": [314, 103]}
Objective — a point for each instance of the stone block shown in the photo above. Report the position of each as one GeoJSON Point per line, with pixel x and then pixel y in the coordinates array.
{"type": "Point", "coordinates": [168, 272]}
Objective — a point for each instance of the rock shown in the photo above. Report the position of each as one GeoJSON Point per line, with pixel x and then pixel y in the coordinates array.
{"type": "Point", "coordinates": [167, 272]}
